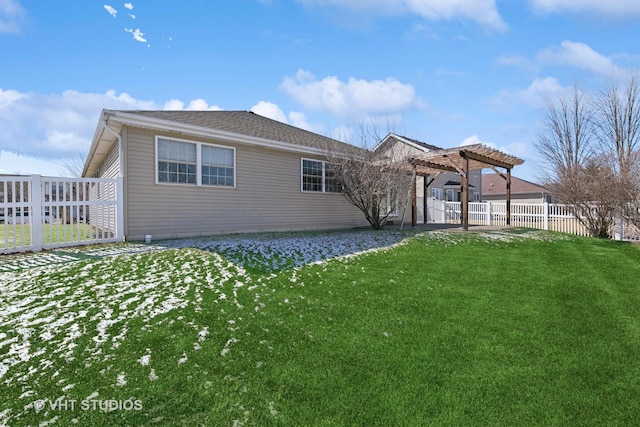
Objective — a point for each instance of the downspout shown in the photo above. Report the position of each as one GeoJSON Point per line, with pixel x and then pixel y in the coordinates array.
{"type": "Point", "coordinates": [117, 135]}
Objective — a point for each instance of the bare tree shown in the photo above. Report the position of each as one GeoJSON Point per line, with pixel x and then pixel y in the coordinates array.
{"type": "Point", "coordinates": [566, 139]}
{"type": "Point", "coordinates": [375, 181]}
{"type": "Point", "coordinates": [73, 166]}
{"type": "Point", "coordinates": [591, 192]}
{"type": "Point", "coordinates": [573, 172]}
{"type": "Point", "coordinates": [618, 125]}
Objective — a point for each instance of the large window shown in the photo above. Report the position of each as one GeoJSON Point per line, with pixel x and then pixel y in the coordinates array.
{"type": "Point", "coordinates": [183, 162]}
{"type": "Point", "coordinates": [320, 177]}
{"type": "Point", "coordinates": [436, 193]}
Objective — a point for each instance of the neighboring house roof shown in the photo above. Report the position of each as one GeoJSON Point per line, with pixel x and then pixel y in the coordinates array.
{"type": "Point", "coordinates": [455, 184]}
{"type": "Point", "coordinates": [493, 183]}
{"type": "Point", "coordinates": [422, 146]}
{"type": "Point", "coordinates": [235, 126]}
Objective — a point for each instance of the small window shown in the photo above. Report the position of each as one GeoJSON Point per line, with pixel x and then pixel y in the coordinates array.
{"type": "Point", "coordinates": [450, 195]}
{"type": "Point", "coordinates": [331, 180]}
{"type": "Point", "coordinates": [436, 193]}
{"type": "Point", "coordinates": [321, 177]}
{"type": "Point", "coordinates": [311, 175]}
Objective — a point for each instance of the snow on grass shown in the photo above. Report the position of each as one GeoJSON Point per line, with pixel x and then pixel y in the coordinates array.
{"type": "Point", "coordinates": [84, 312]}
{"type": "Point", "coordinates": [271, 252]}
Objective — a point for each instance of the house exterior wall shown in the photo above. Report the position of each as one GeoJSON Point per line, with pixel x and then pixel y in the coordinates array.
{"type": "Point", "coordinates": [110, 168]}
{"type": "Point", "coordinates": [267, 195]}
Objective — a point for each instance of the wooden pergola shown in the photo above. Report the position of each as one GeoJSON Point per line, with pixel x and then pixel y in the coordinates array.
{"type": "Point", "coordinates": [462, 160]}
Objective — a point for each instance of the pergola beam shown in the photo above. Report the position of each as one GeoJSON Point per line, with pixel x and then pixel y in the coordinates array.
{"type": "Point", "coordinates": [432, 165]}
{"type": "Point", "coordinates": [484, 159]}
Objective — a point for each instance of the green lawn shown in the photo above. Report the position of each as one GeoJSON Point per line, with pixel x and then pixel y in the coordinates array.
{"type": "Point", "coordinates": [523, 328]}
{"type": "Point", "coordinates": [53, 233]}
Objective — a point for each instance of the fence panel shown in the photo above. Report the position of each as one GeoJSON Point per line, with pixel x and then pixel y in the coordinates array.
{"type": "Point", "coordinates": [15, 207]}
{"type": "Point", "coordinates": [543, 216]}
{"type": "Point", "coordinates": [45, 212]}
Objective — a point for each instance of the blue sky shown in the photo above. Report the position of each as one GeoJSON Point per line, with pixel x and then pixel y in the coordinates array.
{"type": "Point", "coordinates": [446, 72]}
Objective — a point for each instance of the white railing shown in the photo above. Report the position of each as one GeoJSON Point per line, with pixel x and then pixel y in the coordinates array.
{"type": "Point", "coordinates": [44, 213]}
{"type": "Point", "coordinates": [543, 216]}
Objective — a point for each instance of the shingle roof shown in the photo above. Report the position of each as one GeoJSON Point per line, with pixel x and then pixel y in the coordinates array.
{"type": "Point", "coordinates": [245, 123]}
{"type": "Point", "coordinates": [492, 183]}
{"type": "Point", "coordinates": [422, 144]}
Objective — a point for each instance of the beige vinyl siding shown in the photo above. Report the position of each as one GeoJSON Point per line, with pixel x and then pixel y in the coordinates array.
{"type": "Point", "coordinates": [267, 196]}
{"type": "Point", "coordinates": [110, 168]}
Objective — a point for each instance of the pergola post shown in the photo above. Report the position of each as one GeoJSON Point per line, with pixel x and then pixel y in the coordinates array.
{"type": "Point", "coordinates": [425, 192]}
{"type": "Point", "coordinates": [414, 208]}
{"type": "Point", "coordinates": [508, 196]}
{"type": "Point", "coordinates": [464, 203]}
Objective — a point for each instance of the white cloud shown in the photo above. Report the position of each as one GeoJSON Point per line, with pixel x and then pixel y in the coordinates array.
{"type": "Point", "coordinates": [623, 8]}
{"type": "Point", "coordinates": [201, 104]}
{"type": "Point", "coordinates": [12, 16]}
{"type": "Point", "coordinates": [132, 16]}
{"type": "Point", "coordinates": [579, 55]}
{"type": "Point", "coordinates": [474, 139]}
{"type": "Point", "coordinates": [537, 95]}
{"type": "Point", "coordinates": [295, 118]}
{"type": "Point", "coordinates": [484, 12]}
{"type": "Point", "coordinates": [196, 104]}
{"type": "Point", "coordinates": [353, 98]}
{"type": "Point", "coordinates": [299, 120]}
{"type": "Point", "coordinates": [128, 6]}
{"type": "Point", "coordinates": [517, 149]}
{"type": "Point", "coordinates": [58, 125]}
{"type": "Point", "coordinates": [137, 34]}
{"type": "Point", "coordinates": [270, 110]}
{"type": "Point", "coordinates": [38, 131]}
{"type": "Point", "coordinates": [8, 97]}
{"type": "Point", "coordinates": [111, 10]}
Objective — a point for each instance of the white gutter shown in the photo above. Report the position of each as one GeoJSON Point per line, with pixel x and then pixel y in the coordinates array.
{"type": "Point", "coordinates": [117, 135]}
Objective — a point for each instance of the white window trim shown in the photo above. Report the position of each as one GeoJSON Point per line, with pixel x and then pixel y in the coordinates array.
{"type": "Point", "coordinates": [199, 145]}
{"type": "Point", "coordinates": [324, 165]}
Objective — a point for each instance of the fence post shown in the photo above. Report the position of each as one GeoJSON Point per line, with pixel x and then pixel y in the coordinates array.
{"type": "Point", "coordinates": [35, 212]}
{"type": "Point", "coordinates": [120, 209]}
{"type": "Point", "coordinates": [546, 215]}
{"type": "Point", "coordinates": [488, 213]}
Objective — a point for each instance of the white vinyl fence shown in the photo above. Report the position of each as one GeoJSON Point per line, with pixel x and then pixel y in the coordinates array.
{"type": "Point", "coordinates": [45, 213]}
{"type": "Point", "coordinates": [543, 216]}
